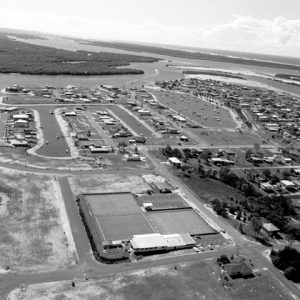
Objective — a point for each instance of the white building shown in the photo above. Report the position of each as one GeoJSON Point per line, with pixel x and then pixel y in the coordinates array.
{"type": "Point", "coordinates": [158, 242]}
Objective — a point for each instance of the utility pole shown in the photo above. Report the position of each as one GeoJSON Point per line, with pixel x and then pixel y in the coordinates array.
{"type": "Point", "coordinates": [237, 250]}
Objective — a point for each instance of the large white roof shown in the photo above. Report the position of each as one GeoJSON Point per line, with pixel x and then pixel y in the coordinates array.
{"type": "Point", "coordinates": [148, 241]}
{"type": "Point", "coordinates": [174, 240]}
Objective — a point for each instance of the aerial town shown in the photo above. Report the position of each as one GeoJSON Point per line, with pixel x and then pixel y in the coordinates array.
{"type": "Point", "coordinates": [136, 171]}
{"type": "Point", "coordinates": [188, 190]}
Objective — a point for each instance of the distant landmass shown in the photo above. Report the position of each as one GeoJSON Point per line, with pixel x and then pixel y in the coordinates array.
{"type": "Point", "coordinates": [25, 58]}
{"type": "Point", "coordinates": [191, 55]}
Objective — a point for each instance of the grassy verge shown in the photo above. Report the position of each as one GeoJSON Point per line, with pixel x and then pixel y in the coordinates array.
{"type": "Point", "coordinates": [199, 280]}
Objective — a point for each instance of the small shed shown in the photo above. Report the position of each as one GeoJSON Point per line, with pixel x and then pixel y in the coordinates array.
{"type": "Point", "coordinates": [175, 161]}
{"type": "Point", "coordinates": [269, 229]}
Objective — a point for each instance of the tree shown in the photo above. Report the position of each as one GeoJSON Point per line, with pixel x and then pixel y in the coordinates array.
{"type": "Point", "coordinates": [291, 273]}
{"type": "Point", "coordinates": [248, 154]}
{"type": "Point", "coordinates": [206, 154]}
{"type": "Point", "coordinates": [267, 173]}
{"type": "Point", "coordinates": [201, 171]}
{"type": "Point", "coordinates": [256, 224]}
{"type": "Point", "coordinates": [274, 179]}
{"type": "Point", "coordinates": [286, 174]}
{"type": "Point", "coordinates": [256, 146]}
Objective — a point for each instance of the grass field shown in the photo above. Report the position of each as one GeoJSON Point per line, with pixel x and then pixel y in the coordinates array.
{"type": "Point", "coordinates": [112, 204]}
{"type": "Point", "coordinates": [179, 221]}
{"type": "Point", "coordinates": [224, 137]}
{"type": "Point", "coordinates": [3, 118]}
{"type": "Point", "coordinates": [32, 234]}
{"type": "Point", "coordinates": [117, 215]}
{"type": "Point", "coordinates": [123, 226]}
{"type": "Point", "coordinates": [190, 281]}
{"type": "Point", "coordinates": [208, 189]}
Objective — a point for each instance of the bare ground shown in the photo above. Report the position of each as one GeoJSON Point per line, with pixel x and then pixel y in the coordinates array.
{"type": "Point", "coordinates": [200, 280]}
{"type": "Point", "coordinates": [32, 237]}
{"type": "Point", "coordinates": [105, 183]}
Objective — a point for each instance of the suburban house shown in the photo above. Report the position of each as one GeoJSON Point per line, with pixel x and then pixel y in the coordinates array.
{"type": "Point", "coordinates": [238, 268]}
{"type": "Point", "coordinates": [269, 229]}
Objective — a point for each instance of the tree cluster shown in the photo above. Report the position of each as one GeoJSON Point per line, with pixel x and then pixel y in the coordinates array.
{"type": "Point", "coordinates": [287, 260]}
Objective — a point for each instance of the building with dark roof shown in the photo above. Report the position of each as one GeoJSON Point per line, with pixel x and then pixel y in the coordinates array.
{"type": "Point", "coordinates": [238, 268]}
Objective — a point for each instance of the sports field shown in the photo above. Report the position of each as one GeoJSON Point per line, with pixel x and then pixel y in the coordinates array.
{"type": "Point", "coordinates": [179, 221]}
{"type": "Point", "coordinates": [112, 204]}
{"type": "Point", "coordinates": [122, 227]}
{"type": "Point", "coordinates": [163, 201]}
{"type": "Point", "coordinates": [116, 216]}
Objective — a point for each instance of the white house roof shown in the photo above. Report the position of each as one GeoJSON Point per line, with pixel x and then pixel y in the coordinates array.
{"type": "Point", "coordinates": [21, 116]}
{"type": "Point", "coordinates": [174, 160]}
{"type": "Point", "coordinates": [21, 121]}
{"type": "Point", "coordinates": [287, 183]}
{"type": "Point", "coordinates": [270, 227]}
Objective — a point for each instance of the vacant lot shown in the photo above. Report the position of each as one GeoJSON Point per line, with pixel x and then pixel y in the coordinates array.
{"type": "Point", "coordinates": [108, 183]}
{"type": "Point", "coordinates": [224, 137]}
{"type": "Point", "coordinates": [199, 280]}
{"type": "Point", "coordinates": [180, 221]}
{"type": "Point", "coordinates": [32, 230]}
{"type": "Point", "coordinates": [208, 189]}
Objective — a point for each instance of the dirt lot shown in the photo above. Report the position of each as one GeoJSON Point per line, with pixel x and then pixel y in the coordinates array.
{"type": "Point", "coordinates": [200, 280]}
{"type": "Point", "coordinates": [223, 137]}
{"type": "Point", "coordinates": [106, 183]}
{"type": "Point", "coordinates": [32, 229]}
{"type": "Point", "coordinates": [27, 99]}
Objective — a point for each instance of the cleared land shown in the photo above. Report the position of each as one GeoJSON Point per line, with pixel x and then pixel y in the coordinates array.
{"type": "Point", "coordinates": [163, 201]}
{"type": "Point", "coordinates": [21, 57]}
{"type": "Point", "coordinates": [197, 280]}
{"type": "Point", "coordinates": [225, 137]}
{"type": "Point", "coordinates": [180, 221]}
{"type": "Point", "coordinates": [32, 230]}
{"type": "Point", "coordinates": [210, 189]}
{"type": "Point", "coordinates": [3, 118]}
{"type": "Point", "coordinates": [108, 183]}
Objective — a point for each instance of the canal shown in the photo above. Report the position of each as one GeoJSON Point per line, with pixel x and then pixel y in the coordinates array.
{"type": "Point", "coordinates": [56, 147]}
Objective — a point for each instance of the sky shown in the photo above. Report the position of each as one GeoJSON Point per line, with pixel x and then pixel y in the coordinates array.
{"type": "Point", "coordinates": [260, 26]}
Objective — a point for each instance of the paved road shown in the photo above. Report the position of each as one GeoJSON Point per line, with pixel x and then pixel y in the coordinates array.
{"type": "Point", "coordinates": [253, 250]}
{"type": "Point", "coordinates": [108, 141]}
{"type": "Point", "coordinates": [79, 234]}
{"type": "Point", "coordinates": [88, 265]}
